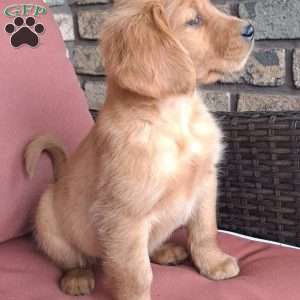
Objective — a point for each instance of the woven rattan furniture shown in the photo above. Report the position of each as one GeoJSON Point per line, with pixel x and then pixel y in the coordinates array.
{"type": "Point", "coordinates": [260, 175]}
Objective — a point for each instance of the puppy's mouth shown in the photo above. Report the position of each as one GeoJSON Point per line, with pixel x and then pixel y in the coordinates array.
{"type": "Point", "coordinates": [212, 76]}
{"type": "Point", "coordinates": [217, 73]}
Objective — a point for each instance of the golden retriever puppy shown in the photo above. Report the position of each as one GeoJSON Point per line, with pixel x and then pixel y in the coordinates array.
{"type": "Point", "coordinates": [148, 166]}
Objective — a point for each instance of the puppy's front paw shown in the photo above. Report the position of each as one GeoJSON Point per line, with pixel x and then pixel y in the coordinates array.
{"type": "Point", "coordinates": [78, 282]}
{"type": "Point", "coordinates": [219, 267]}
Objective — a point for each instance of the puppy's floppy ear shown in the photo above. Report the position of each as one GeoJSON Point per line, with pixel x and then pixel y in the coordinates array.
{"type": "Point", "coordinates": [143, 56]}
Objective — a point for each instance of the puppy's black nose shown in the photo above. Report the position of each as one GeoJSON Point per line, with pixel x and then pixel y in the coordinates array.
{"type": "Point", "coordinates": [248, 32]}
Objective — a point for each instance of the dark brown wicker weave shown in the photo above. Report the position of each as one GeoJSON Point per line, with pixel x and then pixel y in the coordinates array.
{"type": "Point", "coordinates": [260, 175]}
{"type": "Point", "coordinates": [259, 192]}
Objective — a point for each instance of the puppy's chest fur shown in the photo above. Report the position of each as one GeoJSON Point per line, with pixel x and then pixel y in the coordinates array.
{"type": "Point", "coordinates": [186, 138]}
{"type": "Point", "coordinates": [187, 145]}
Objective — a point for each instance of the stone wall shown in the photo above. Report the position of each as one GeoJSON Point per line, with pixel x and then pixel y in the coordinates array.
{"type": "Point", "coordinates": [270, 81]}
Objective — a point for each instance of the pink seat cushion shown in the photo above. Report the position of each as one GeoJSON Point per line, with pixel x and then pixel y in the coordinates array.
{"type": "Point", "coordinates": [39, 92]}
{"type": "Point", "coordinates": [268, 272]}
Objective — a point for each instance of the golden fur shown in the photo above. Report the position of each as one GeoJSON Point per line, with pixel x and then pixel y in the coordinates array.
{"type": "Point", "coordinates": [148, 166]}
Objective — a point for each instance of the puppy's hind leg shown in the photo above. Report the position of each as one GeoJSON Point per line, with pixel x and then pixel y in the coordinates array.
{"type": "Point", "coordinates": [78, 281]}
{"type": "Point", "coordinates": [78, 278]}
{"type": "Point", "coordinates": [169, 254]}
{"type": "Point", "coordinates": [163, 252]}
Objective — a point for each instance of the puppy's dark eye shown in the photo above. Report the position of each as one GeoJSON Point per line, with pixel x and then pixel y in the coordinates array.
{"type": "Point", "coordinates": [195, 22]}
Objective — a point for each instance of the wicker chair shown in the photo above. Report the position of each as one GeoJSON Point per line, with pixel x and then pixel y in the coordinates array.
{"type": "Point", "coordinates": [260, 175]}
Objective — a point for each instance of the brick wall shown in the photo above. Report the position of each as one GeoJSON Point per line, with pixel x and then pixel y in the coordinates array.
{"type": "Point", "coordinates": [270, 81]}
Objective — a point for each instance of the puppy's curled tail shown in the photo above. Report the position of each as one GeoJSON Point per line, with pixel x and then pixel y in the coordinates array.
{"type": "Point", "coordinates": [48, 144]}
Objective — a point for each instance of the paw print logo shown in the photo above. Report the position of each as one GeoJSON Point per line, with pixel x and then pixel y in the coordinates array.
{"type": "Point", "coordinates": [24, 33]}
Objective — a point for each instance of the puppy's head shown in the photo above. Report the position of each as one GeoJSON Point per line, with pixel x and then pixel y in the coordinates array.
{"type": "Point", "coordinates": [217, 43]}
{"type": "Point", "coordinates": [159, 48]}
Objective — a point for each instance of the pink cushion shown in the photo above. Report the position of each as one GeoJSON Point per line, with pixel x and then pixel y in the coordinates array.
{"type": "Point", "coordinates": [268, 272]}
{"type": "Point", "coordinates": [39, 93]}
